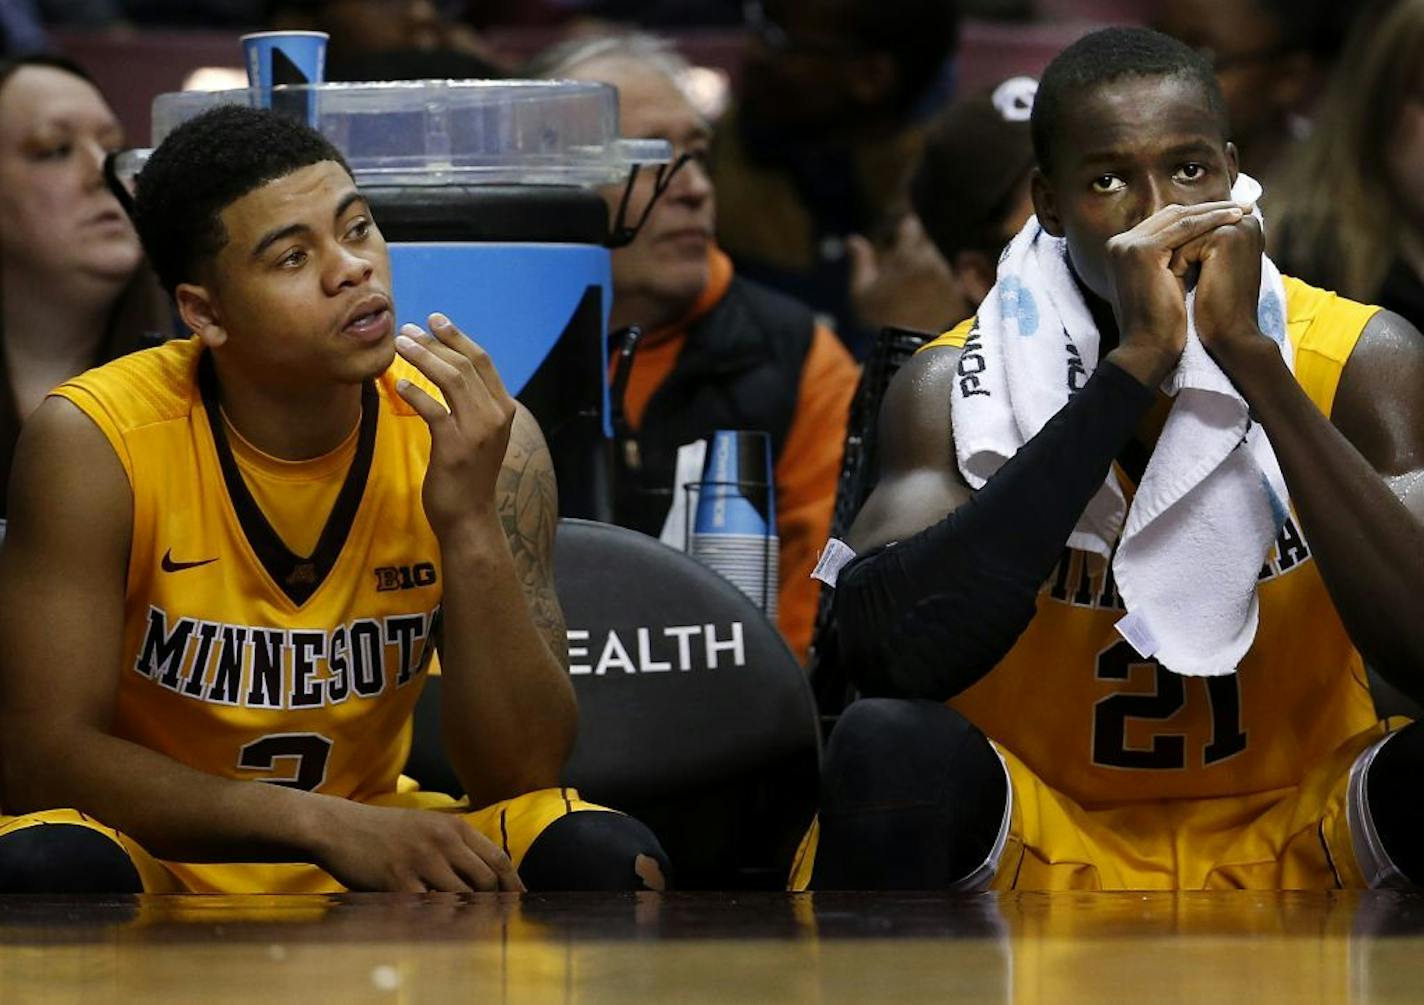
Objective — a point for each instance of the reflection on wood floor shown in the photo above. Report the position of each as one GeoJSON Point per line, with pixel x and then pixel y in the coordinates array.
{"type": "Point", "coordinates": [1023, 949]}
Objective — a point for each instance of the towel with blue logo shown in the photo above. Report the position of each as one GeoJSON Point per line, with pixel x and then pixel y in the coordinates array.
{"type": "Point", "coordinates": [1212, 500]}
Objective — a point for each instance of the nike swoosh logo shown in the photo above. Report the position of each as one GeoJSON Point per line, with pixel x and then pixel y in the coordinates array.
{"type": "Point", "coordinates": [171, 566]}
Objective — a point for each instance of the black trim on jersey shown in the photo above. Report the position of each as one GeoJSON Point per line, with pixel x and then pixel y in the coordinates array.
{"type": "Point", "coordinates": [296, 576]}
{"type": "Point", "coordinates": [1329, 858]}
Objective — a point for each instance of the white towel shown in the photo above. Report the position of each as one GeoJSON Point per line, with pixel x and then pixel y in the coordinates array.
{"type": "Point", "coordinates": [1212, 499]}
{"type": "Point", "coordinates": [677, 526]}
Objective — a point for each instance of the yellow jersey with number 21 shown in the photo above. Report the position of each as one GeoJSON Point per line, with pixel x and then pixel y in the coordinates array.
{"type": "Point", "coordinates": [1103, 725]}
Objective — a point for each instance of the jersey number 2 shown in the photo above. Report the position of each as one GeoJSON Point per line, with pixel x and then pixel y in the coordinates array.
{"type": "Point", "coordinates": [310, 751]}
{"type": "Point", "coordinates": [1168, 751]}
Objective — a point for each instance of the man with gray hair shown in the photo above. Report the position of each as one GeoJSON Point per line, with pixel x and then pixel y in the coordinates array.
{"type": "Point", "coordinates": [718, 352]}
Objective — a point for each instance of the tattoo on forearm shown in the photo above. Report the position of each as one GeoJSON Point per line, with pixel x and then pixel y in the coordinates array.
{"type": "Point", "coordinates": [529, 512]}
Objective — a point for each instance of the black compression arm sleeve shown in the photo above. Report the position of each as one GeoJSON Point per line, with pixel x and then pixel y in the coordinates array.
{"type": "Point", "coordinates": [929, 616]}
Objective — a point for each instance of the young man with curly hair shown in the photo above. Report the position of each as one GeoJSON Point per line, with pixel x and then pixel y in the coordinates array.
{"type": "Point", "coordinates": [233, 559]}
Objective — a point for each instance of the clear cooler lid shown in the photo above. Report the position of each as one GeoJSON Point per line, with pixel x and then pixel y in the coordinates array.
{"type": "Point", "coordinates": [452, 132]}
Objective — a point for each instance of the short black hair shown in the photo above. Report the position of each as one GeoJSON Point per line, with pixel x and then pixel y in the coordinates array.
{"type": "Point", "coordinates": [205, 165]}
{"type": "Point", "coordinates": [1105, 57]}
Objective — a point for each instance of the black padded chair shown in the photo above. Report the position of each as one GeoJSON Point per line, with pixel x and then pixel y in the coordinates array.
{"type": "Point", "coordinates": [860, 469]}
{"type": "Point", "coordinates": [693, 714]}
{"type": "Point", "coordinates": [1389, 700]}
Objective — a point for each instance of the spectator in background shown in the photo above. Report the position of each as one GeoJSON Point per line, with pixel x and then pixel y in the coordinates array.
{"type": "Point", "coordinates": [655, 13]}
{"type": "Point", "coordinates": [389, 39]}
{"type": "Point", "coordinates": [719, 351]}
{"type": "Point", "coordinates": [192, 13]}
{"type": "Point", "coordinates": [898, 279]}
{"type": "Point", "coordinates": [20, 28]}
{"type": "Point", "coordinates": [823, 127]}
{"type": "Point", "coordinates": [969, 195]}
{"type": "Point", "coordinates": [81, 13]}
{"type": "Point", "coordinates": [73, 290]}
{"type": "Point", "coordinates": [1270, 57]}
{"type": "Point", "coordinates": [1352, 203]}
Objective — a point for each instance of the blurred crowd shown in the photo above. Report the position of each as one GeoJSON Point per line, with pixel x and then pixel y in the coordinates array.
{"type": "Point", "coordinates": [836, 161]}
{"type": "Point", "coordinates": [836, 105]}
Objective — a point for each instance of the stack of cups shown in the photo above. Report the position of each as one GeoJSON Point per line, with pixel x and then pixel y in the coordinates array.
{"type": "Point", "coordinates": [734, 522]}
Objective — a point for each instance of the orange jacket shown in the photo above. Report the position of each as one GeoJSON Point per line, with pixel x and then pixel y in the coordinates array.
{"type": "Point", "coordinates": [809, 465]}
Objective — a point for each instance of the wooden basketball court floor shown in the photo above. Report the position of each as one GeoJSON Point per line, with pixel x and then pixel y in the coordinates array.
{"type": "Point", "coordinates": [1018, 949]}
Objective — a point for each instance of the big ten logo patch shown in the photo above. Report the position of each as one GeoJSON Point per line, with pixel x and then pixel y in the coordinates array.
{"type": "Point", "coordinates": [405, 577]}
{"type": "Point", "coordinates": [657, 649]}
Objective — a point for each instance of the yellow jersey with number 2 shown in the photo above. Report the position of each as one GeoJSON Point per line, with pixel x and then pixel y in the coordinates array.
{"type": "Point", "coordinates": [278, 615]}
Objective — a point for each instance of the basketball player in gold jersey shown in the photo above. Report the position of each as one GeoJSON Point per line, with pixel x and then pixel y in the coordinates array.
{"type": "Point", "coordinates": [234, 558]}
{"type": "Point", "coordinates": [1062, 758]}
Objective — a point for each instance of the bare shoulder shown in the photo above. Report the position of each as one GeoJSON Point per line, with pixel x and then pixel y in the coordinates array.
{"type": "Point", "coordinates": [915, 429]}
{"type": "Point", "coordinates": [1379, 405]}
{"type": "Point", "coordinates": [66, 480]}
{"type": "Point", "coordinates": [919, 478]}
{"type": "Point", "coordinates": [59, 425]}
{"type": "Point", "coordinates": [63, 568]}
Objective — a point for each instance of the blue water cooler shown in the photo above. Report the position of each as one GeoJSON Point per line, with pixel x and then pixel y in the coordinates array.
{"type": "Point", "coordinates": [487, 192]}
{"type": "Point", "coordinates": [534, 288]}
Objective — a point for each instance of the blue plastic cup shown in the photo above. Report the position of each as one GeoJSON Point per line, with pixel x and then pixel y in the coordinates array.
{"type": "Point", "coordinates": [734, 521]}
{"type": "Point", "coordinates": [736, 495]}
{"type": "Point", "coordinates": [277, 59]}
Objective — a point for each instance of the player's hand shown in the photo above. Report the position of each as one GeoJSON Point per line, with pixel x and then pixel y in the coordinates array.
{"type": "Point", "coordinates": [1149, 284]}
{"type": "Point", "coordinates": [469, 437]}
{"type": "Point", "coordinates": [386, 849]}
{"type": "Point", "coordinates": [1229, 289]}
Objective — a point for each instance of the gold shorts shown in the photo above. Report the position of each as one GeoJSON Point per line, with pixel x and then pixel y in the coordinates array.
{"type": "Point", "coordinates": [512, 824]}
{"type": "Point", "coordinates": [1297, 838]}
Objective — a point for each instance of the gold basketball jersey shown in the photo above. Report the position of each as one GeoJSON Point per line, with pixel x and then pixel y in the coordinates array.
{"type": "Point", "coordinates": [240, 657]}
{"type": "Point", "coordinates": [1103, 725]}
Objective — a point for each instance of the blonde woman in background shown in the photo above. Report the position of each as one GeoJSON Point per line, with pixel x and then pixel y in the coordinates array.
{"type": "Point", "coordinates": [73, 288]}
{"type": "Point", "coordinates": [1349, 214]}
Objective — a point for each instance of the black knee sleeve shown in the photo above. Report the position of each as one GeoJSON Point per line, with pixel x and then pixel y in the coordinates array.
{"type": "Point", "coordinates": [595, 850]}
{"type": "Point", "coordinates": [64, 858]}
{"type": "Point", "coordinates": [1395, 806]}
{"type": "Point", "coordinates": [912, 797]}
